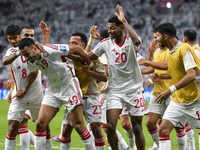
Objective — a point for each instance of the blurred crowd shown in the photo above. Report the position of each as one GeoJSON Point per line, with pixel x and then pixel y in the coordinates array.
{"type": "Point", "coordinates": [66, 17]}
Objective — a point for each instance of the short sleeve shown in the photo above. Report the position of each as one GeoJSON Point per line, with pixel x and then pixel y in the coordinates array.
{"type": "Point", "coordinates": [98, 50]}
{"type": "Point", "coordinates": [31, 67]}
{"type": "Point", "coordinates": [189, 61]}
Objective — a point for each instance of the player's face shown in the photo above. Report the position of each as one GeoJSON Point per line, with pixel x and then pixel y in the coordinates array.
{"type": "Point", "coordinates": [27, 33]}
{"type": "Point", "coordinates": [13, 40]}
{"type": "Point", "coordinates": [29, 54]}
{"type": "Point", "coordinates": [160, 39]}
{"type": "Point", "coordinates": [114, 31]}
{"type": "Point", "coordinates": [76, 40]}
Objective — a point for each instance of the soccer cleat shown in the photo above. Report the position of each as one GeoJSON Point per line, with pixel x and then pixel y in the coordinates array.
{"type": "Point", "coordinates": [56, 138]}
{"type": "Point", "coordinates": [155, 147]}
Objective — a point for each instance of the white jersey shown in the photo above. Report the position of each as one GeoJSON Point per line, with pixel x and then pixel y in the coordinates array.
{"type": "Point", "coordinates": [54, 64]}
{"type": "Point", "coordinates": [20, 73]}
{"type": "Point", "coordinates": [123, 69]}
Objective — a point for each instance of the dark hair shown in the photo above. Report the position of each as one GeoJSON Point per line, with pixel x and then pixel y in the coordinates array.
{"type": "Point", "coordinates": [190, 34]}
{"type": "Point", "coordinates": [26, 42]}
{"type": "Point", "coordinates": [104, 34]}
{"type": "Point", "coordinates": [13, 30]}
{"type": "Point", "coordinates": [168, 29]}
{"type": "Point", "coordinates": [82, 35]}
{"type": "Point", "coordinates": [115, 20]}
{"type": "Point", "coordinates": [155, 29]}
{"type": "Point", "coordinates": [26, 27]}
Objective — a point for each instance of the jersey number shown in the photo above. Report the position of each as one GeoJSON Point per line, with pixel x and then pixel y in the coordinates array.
{"type": "Point", "coordinates": [95, 109]}
{"type": "Point", "coordinates": [24, 74]}
{"type": "Point", "coordinates": [75, 99]}
{"type": "Point", "coordinates": [140, 103]}
{"type": "Point", "coordinates": [44, 64]}
{"type": "Point", "coordinates": [121, 58]}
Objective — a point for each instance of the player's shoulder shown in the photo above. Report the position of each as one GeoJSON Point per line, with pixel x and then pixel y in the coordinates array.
{"type": "Point", "coordinates": [105, 40]}
{"type": "Point", "coordinates": [13, 49]}
{"type": "Point", "coordinates": [50, 46]}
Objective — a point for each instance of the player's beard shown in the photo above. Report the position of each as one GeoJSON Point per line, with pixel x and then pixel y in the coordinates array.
{"type": "Point", "coordinates": [33, 58]}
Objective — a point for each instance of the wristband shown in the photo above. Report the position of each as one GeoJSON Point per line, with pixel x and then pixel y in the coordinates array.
{"type": "Point", "coordinates": [90, 42]}
{"type": "Point", "coordinates": [172, 88]}
{"type": "Point", "coordinates": [17, 53]}
{"type": "Point", "coordinates": [151, 81]}
{"type": "Point", "coordinates": [91, 65]}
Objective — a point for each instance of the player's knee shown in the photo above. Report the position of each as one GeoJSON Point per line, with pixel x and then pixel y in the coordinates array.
{"type": "Point", "coordinates": [40, 125]}
{"type": "Point", "coordinates": [110, 129]}
{"type": "Point", "coordinates": [125, 124]}
{"type": "Point", "coordinates": [162, 131]}
{"type": "Point", "coordinates": [13, 129]}
{"type": "Point", "coordinates": [96, 130]}
{"type": "Point", "coordinates": [137, 129]}
{"type": "Point", "coordinates": [150, 123]}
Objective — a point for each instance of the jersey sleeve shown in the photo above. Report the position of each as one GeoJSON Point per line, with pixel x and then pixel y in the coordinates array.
{"type": "Point", "coordinates": [11, 51]}
{"type": "Point", "coordinates": [58, 49]}
{"type": "Point", "coordinates": [31, 67]}
{"type": "Point", "coordinates": [189, 62]}
{"type": "Point", "coordinates": [100, 67]}
{"type": "Point", "coordinates": [98, 50]}
{"type": "Point", "coordinates": [139, 57]}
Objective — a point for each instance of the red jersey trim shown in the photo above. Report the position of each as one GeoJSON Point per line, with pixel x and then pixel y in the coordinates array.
{"type": "Point", "coordinates": [52, 46]}
{"type": "Point", "coordinates": [126, 37]}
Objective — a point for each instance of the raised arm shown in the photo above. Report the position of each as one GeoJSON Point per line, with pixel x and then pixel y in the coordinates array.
{"type": "Point", "coordinates": [152, 47]}
{"type": "Point", "coordinates": [45, 32]}
{"type": "Point", "coordinates": [133, 35]}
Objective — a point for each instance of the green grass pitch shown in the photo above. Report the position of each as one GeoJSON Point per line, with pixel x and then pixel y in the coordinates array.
{"type": "Point", "coordinates": [75, 139]}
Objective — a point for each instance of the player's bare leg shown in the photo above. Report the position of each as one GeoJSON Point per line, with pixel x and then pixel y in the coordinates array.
{"type": "Point", "coordinates": [112, 118]}
{"type": "Point", "coordinates": [46, 114]}
{"type": "Point", "coordinates": [164, 131]}
{"type": "Point", "coordinates": [137, 130]}
{"type": "Point", "coordinates": [151, 120]}
{"type": "Point", "coordinates": [78, 123]}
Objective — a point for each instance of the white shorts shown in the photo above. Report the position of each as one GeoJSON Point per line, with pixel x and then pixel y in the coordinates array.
{"type": "Point", "coordinates": [27, 114]}
{"type": "Point", "coordinates": [134, 102]}
{"type": "Point", "coordinates": [103, 110]}
{"type": "Point", "coordinates": [92, 109]}
{"type": "Point", "coordinates": [156, 108]}
{"type": "Point", "coordinates": [179, 114]}
{"type": "Point", "coordinates": [66, 118]}
{"type": "Point", "coordinates": [68, 94]}
{"type": "Point", "coordinates": [17, 109]}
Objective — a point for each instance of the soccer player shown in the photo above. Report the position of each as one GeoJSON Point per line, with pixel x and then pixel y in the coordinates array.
{"type": "Point", "coordinates": [26, 93]}
{"type": "Point", "coordinates": [125, 80]}
{"type": "Point", "coordinates": [63, 87]}
{"type": "Point", "coordinates": [91, 104]}
{"type": "Point", "coordinates": [181, 63]}
{"type": "Point", "coordinates": [190, 37]}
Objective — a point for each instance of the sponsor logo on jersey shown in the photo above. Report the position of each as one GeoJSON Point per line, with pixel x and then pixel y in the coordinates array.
{"type": "Point", "coordinates": [45, 54]}
{"type": "Point", "coordinates": [113, 50]}
{"type": "Point", "coordinates": [18, 67]}
{"type": "Point", "coordinates": [63, 48]}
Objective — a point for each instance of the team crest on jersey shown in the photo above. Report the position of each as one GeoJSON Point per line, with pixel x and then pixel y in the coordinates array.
{"type": "Point", "coordinates": [63, 48]}
{"type": "Point", "coordinates": [127, 48]}
{"type": "Point", "coordinates": [45, 54]}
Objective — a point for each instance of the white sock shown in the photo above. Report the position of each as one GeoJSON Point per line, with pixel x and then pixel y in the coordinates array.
{"type": "Point", "coordinates": [181, 139]}
{"type": "Point", "coordinates": [92, 136]}
{"type": "Point", "coordinates": [121, 142]}
{"type": "Point", "coordinates": [164, 142]}
{"type": "Point", "coordinates": [100, 143]}
{"type": "Point", "coordinates": [10, 142]}
{"type": "Point", "coordinates": [31, 137]}
{"type": "Point", "coordinates": [86, 140]}
{"type": "Point", "coordinates": [129, 133]}
{"type": "Point", "coordinates": [48, 144]}
{"type": "Point", "coordinates": [65, 143]}
{"type": "Point", "coordinates": [190, 137]}
{"type": "Point", "coordinates": [154, 135]}
{"type": "Point", "coordinates": [40, 139]}
{"type": "Point", "coordinates": [24, 137]}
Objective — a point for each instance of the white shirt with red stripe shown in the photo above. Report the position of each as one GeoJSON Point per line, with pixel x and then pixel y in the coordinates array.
{"type": "Point", "coordinates": [54, 65]}
{"type": "Point", "coordinates": [123, 69]}
{"type": "Point", "coordinates": [20, 73]}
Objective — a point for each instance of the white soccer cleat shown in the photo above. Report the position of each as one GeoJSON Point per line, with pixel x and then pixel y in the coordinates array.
{"type": "Point", "coordinates": [155, 147]}
{"type": "Point", "coordinates": [132, 144]}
